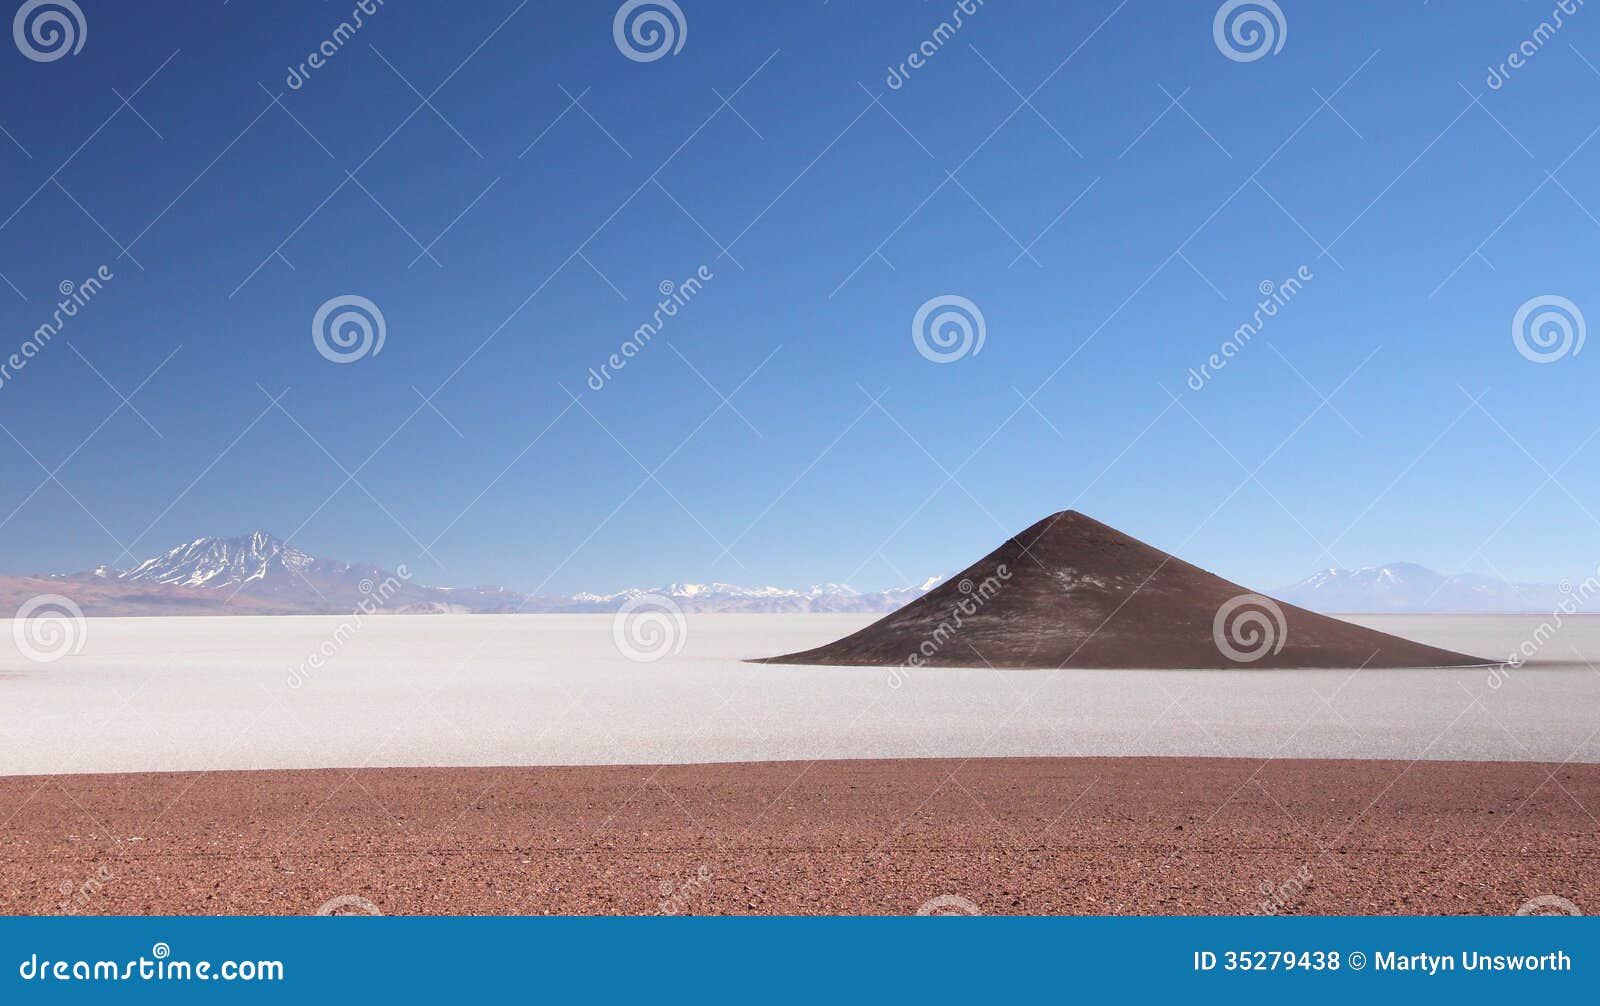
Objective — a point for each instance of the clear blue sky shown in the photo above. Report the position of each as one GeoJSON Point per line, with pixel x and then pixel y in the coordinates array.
{"type": "Point", "coordinates": [559, 222]}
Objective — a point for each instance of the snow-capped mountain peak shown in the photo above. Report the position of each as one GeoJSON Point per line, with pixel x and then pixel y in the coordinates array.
{"type": "Point", "coordinates": [257, 573]}
{"type": "Point", "coordinates": [715, 596]}
{"type": "Point", "coordinates": [221, 562]}
{"type": "Point", "coordinates": [1406, 586]}
{"type": "Point", "coordinates": [272, 575]}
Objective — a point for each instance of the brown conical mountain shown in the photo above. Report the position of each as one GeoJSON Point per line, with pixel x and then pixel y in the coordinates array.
{"type": "Point", "coordinates": [1071, 592]}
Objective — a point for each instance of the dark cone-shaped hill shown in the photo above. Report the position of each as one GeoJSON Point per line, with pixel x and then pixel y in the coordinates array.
{"type": "Point", "coordinates": [1071, 592]}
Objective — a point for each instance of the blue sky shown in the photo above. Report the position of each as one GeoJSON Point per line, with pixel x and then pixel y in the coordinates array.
{"type": "Point", "coordinates": [1113, 231]}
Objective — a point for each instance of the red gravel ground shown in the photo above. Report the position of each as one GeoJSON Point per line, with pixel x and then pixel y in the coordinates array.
{"type": "Point", "coordinates": [1037, 836]}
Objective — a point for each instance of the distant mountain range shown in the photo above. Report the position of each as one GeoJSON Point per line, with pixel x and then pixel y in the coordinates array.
{"type": "Point", "coordinates": [259, 574]}
{"type": "Point", "coordinates": [828, 597]}
{"type": "Point", "coordinates": [1407, 587]}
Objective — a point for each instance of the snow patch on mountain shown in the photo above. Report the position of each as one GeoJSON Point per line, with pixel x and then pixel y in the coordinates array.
{"type": "Point", "coordinates": [220, 562]}
{"type": "Point", "coordinates": [274, 576]}
{"type": "Point", "coordinates": [727, 597]}
{"type": "Point", "coordinates": [261, 566]}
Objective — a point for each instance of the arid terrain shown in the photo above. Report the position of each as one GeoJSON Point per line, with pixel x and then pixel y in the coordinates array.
{"type": "Point", "coordinates": [208, 765]}
{"type": "Point", "coordinates": [394, 691]}
{"type": "Point", "coordinates": [1005, 836]}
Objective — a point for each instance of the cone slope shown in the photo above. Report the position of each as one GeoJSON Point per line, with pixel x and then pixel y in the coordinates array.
{"type": "Point", "coordinates": [1073, 592]}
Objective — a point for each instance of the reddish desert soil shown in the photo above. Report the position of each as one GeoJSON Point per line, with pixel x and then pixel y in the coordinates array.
{"type": "Point", "coordinates": [1073, 592]}
{"type": "Point", "coordinates": [1038, 836]}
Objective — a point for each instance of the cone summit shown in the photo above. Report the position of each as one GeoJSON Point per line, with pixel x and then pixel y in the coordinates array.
{"type": "Point", "coordinates": [1072, 592]}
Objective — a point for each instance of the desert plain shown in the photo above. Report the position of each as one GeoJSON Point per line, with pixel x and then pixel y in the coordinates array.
{"type": "Point", "coordinates": [526, 764]}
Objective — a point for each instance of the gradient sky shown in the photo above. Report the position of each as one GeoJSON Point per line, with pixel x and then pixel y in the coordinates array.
{"type": "Point", "coordinates": [826, 220]}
